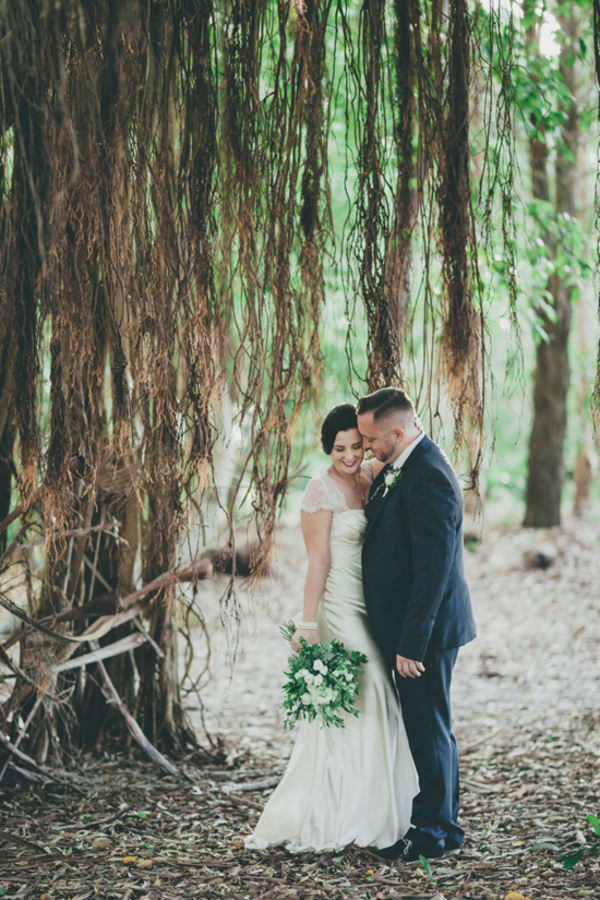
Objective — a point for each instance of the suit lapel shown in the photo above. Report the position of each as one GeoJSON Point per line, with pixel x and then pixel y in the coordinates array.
{"type": "Point", "coordinates": [377, 502]}
{"type": "Point", "coordinates": [380, 501]}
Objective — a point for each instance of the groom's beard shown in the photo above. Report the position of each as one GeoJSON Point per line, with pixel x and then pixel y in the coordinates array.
{"type": "Point", "coordinates": [389, 451]}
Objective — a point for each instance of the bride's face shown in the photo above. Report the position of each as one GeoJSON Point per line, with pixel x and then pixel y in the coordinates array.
{"type": "Point", "coordinates": [347, 453]}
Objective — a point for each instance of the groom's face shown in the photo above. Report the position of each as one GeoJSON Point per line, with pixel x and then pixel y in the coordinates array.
{"type": "Point", "coordinates": [383, 437]}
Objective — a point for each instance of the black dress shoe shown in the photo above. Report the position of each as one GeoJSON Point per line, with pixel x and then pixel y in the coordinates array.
{"type": "Point", "coordinates": [392, 852]}
{"type": "Point", "coordinates": [451, 844]}
{"type": "Point", "coordinates": [419, 844]}
{"type": "Point", "coordinates": [413, 852]}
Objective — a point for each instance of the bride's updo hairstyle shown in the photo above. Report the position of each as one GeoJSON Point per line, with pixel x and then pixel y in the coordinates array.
{"type": "Point", "coordinates": [340, 418]}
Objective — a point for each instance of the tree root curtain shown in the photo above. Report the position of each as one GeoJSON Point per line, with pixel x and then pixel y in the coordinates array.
{"type": "Point", "coordinates": [527, 717]}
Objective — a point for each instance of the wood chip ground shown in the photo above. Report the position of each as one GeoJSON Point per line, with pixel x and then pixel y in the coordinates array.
{"type": "Point", "coordinates": [527, 713]}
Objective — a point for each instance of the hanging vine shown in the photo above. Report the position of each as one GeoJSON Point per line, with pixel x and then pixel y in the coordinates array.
{"type": "Point", "coordinates": [166, 226]}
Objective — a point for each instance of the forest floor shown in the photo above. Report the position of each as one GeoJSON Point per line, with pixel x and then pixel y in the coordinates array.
{"type": "Point", "coordinates": [526, 701]}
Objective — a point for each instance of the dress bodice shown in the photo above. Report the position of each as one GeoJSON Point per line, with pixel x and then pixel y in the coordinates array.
{"type": "Point", "coordinates": [347, 530]}
{"type": "Point", "coordinates": [348, 524]}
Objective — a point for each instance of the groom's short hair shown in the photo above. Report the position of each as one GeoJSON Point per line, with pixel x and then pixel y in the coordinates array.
{"type": "Point", "coordinates": [385, 401]}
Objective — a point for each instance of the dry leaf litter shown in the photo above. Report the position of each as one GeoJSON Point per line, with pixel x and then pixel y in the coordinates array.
{"type": "Point", "coordinates": [526, 703]}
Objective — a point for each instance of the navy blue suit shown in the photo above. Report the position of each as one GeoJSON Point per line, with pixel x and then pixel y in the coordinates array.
{"type": "Point", "coordinates": [419, 607]}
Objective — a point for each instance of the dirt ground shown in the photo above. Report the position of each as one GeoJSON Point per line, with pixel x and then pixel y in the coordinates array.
{"type": "Point", "coordinates": [526, 703]}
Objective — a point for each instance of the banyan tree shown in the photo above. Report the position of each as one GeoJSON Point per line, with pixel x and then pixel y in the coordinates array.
{"type": "Point", "coordinates": [167, 239]}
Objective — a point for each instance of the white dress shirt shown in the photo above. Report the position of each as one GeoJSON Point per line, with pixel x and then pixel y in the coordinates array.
{"type": "Point", "coordinates": [398, 463]}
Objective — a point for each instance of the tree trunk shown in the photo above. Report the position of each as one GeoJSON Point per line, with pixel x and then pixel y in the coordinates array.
{"type": "Point", "coordinates": [6, 413]}
{"type": "Point", "coordinates": [583, 470]}
{"type": "Point", "coordinates": [551, 379]}
{"type": "Point", "coordinates": [546, 444]}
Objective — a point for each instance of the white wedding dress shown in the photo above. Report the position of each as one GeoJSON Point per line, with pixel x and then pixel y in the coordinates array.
{"type": "Point", "coordinates": [356, 784]}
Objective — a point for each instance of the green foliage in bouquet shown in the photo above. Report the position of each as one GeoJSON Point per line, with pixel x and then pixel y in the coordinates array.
{"type": "Point", "coordinates": [322, 682]}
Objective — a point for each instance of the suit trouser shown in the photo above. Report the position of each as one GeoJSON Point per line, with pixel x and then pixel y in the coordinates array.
{"type": "Point", "coordinates": [426, 712]}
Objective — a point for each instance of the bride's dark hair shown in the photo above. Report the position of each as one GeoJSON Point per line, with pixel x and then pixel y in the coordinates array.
{"type": "Point", "coordinates": [340, 418]}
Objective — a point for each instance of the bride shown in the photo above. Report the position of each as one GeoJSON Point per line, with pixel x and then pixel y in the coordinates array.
{"type": "Point", "coordinates": [356, 784]}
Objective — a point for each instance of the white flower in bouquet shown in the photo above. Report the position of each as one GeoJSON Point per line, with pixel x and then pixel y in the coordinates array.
{"type": "Point", "coordinates": [322, 682]}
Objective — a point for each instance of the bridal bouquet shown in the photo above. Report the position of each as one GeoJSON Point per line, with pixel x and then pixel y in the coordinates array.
{"type": "Point", "coordinates": [322, 681]}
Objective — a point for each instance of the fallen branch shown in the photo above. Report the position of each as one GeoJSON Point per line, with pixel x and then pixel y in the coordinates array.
{"type": "Point", "coordinates": [19, 614]}
{"type": "Point", "coordinates": [199, 570]}
{"type": "Point", "coordinates": [481, 787]}
{"type": "Point", "coordinates": [97, 629]}
{"type": "Point", "coordinates": [130, 642]}
{"type": "Point", "coordinates": [113, 699]}
{"type": "Point", "coordinates": [11, 838]}
{"type": "Point", "coordinates": [105, 624]}
{"type": "Point", "coordinates": [23, 730]}
{"type": "Point", "coordinates": [44, 770]}
{"type": "Point", "coordinates": [470, 748]}
{"type": "Point", "coordinates": [140, 627]}
{"type": "Point", "coordinates": [105, 604]}
{"type": "Point", "coordinates": [131, 604]}
{"type": "Point", "coordinates": [265, 785]}
{"type": "Point", "coordinates": [129, 607]}
{"type": "Point", "coordinates": [29, 776]}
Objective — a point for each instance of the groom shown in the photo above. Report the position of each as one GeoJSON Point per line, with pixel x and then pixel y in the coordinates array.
{"type": "Point", "coordinates": [417, 602]}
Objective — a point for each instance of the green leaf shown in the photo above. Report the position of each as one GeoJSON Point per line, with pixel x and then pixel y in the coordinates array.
{"type": "Point", "coordinates": [3, 892]}
{"type": "Point", "coordinates": [593, 820]}
{"type": "Point", "coordinates": [425, 863]}
{"type": "Point", "coordinates": [573, 859]}
{"type": "Point", "coordinates": [287, 630]}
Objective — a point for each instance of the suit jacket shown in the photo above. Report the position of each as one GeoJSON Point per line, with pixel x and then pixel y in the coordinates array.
{"type": "Point", "coordinates": [413, 575]}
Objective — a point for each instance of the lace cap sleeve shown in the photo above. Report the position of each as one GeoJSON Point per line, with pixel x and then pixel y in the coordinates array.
{"type": "Point", "coordinates": [317, 496]}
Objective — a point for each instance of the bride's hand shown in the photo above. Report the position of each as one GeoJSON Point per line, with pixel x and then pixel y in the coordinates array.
{"type": "Point", "coordinates": [310, 635]}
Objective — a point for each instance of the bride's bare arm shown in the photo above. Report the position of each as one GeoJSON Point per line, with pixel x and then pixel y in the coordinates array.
{"type": "Point", "coordinates": [316, 531]}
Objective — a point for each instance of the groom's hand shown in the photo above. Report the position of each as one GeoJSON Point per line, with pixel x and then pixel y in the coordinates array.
{"type": "Point", "coordinates": [310, 635]}
{"type": "Point", "coordinates": [409, 668]}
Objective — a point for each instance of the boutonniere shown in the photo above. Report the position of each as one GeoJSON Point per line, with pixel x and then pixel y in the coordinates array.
{"type": "Point", "coordinates": [391, 479]}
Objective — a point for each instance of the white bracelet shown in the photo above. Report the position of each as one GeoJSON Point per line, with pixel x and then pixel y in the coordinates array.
{"type": "Point", "coordinates": [309, 625]}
